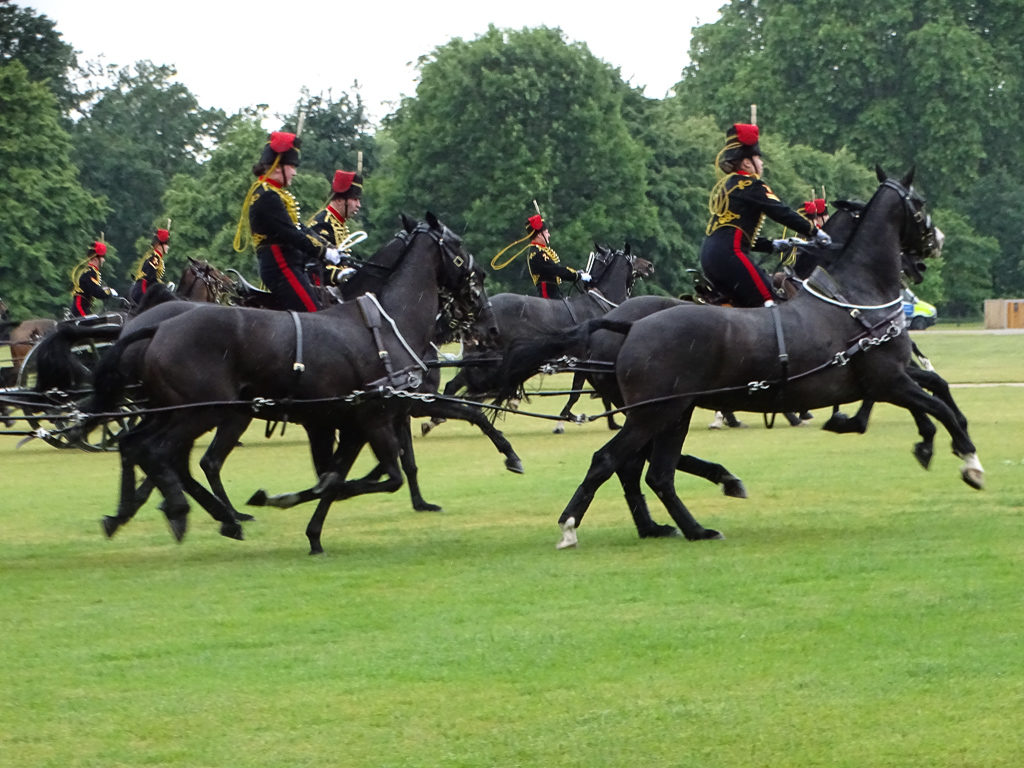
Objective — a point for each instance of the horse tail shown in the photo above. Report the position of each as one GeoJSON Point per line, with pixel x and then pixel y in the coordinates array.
{"type": "Point", "coordinates": [524, 356]}
{"type": "Point", "coordinates": [109, 377]}
{"type": "Point", "coordinates": [57, 367]}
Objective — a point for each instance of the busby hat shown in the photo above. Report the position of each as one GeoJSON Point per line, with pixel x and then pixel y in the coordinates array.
{"type": "Point", "coordinates": [347, 184]}
{"type": "Point", "coordinates": [536, 223]}
{"type": "Point", "coordinates": [98, 249]}
{"type": "Point", "coordinates": [741, 141]}
{"type": "Point", "coordinates": [162, 236]}
{"type": "Point", "coordinates": [283, 145]}
{"type": "Point", "coordinates": [819, 206]}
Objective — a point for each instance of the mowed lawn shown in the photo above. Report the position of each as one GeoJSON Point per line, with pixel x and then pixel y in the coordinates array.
{"type": "Point", "coordinates": [861, 611]}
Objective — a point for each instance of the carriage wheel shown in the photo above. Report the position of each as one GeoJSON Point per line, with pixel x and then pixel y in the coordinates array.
{"type": "Point", "coordinates": [103, 437]}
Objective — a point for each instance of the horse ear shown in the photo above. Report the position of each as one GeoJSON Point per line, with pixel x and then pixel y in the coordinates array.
{"type": "Point", "coordinates": [629, 249]}
{"type": "Point", "coordinates": [909, 178]}
{"type": "Point", "coordinates": [407, 224]}
{"type": "Point", "coordinates": [880, 174]}
{"type": "Point", "coordinates": [432, 221]}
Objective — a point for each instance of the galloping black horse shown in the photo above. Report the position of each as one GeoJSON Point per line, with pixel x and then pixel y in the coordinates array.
{"type": "Point", "coordinates": [843, 339]}
{"type": "Point", "coordinates": [519, 317]}
{"type": "Point", "coordinates": [215, 361]}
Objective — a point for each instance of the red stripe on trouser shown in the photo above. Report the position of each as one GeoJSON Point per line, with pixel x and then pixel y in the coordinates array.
{"type": "Point", "coordinates": [544, 291]}
{"type": "Point", "coordinates": [293, 281]}
{"type": "Point", "coordinates": [755, 276]}
{"type": "Point", "coordinates": [79, 308]}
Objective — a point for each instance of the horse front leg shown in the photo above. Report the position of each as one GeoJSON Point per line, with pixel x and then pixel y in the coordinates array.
{"type": "Point", "coordinates": [906, 393]}
{"type": "Point", "coordinates": [474, 416]}
{"type": "Point", "coordinates": [403, 427]}
{"type": "Point", "coordinates": [334, 469]}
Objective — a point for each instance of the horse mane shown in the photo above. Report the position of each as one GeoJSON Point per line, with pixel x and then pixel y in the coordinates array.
{"type": "Point", "coordinates": [373, 273]}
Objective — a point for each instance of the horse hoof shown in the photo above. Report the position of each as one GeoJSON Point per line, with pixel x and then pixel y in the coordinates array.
{"type": "Point", "coordinates": [923, 454]}
{"type": "Point", "coordinates": [734, 487]}
{"type": "Point", "coordinates": [315, 548]}
{"type": "Point", "coordinates": [425, 428]}
{"type": "Point", "coordinates": [178, 527]}
{"type": "Point", "coordinates": [258, 499]}
{"type": "Point", "coordinates": [569, 539]}
{"type": "Point", "coordinates": [426, 506]}
{"type": "Point", "coordinates": [110, 525]}
{"type": "Point", "coordinates": [232, 530]}
{"type": "Point", "coordinates": [706, 534]}
{"type": "Point", "coordinates": [660, 531]}
{"type": "Point", "coordinates": [558, 430]}
{"type": "Point", "coordinates": [513, 464]}
{"type": "Point", "coordinates": [243, 517]}
{"type": "Point", "coordinates": [972, 472]}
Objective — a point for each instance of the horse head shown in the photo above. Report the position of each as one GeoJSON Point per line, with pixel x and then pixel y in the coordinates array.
{"type": "Point", "coordinates": [615, 271]}
{"type": "Point", "coordinates": [463, 297]}
{"type": "Point", "coordinates": [202, 282]}
{"type": "Point", "coordinates": [919, 237]}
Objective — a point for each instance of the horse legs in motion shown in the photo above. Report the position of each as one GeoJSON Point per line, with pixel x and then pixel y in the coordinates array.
{"type": "Point", "coordinates": [924, 450]}
{"type": "Point", "coordinates": [619, 455]}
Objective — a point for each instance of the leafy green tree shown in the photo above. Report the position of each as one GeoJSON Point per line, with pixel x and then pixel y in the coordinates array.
{"type": "Point", "coordinates": [966, 268]}
{"type": "Point", "coordinates": [135, 136]}
{"type": "Point", "coordinates": [48, 218]}
{"type": "Point", "coordinates": [934, 84]}
{"type": "Point", "coordinates": [33, 40]}
{"type": "Point", "coordinates": [507, 118]}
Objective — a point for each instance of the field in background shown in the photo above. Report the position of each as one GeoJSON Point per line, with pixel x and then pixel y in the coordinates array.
{"type": "Point", "coordinates": [861, 611]}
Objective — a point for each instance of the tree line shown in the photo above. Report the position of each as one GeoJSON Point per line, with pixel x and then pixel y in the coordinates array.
{"type": "Point", "coordinates": [494, 126]}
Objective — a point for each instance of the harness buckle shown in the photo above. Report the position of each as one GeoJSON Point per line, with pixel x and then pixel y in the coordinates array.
{"type": "Point", "coordinates": [298, 367]}
{"type": "Point", "coordinates": [840, 359]}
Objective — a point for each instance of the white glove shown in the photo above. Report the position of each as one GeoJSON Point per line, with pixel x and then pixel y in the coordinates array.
{"type": "Point", "coordinates": [333, 255]}
{"type": "Point", "coordinates": [113, 293]}
{"type": "Point", "coordinates": [821, 237]}
{"type": "Point", "coordinates": [584, 277]}
{"type": "Point", "coordinates": [781, 244]}
{"type": "Point", "coordinates": [344, 274]}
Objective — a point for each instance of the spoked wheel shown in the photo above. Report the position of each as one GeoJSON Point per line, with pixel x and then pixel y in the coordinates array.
{"type": "Point", "coordinates": [103, 436]}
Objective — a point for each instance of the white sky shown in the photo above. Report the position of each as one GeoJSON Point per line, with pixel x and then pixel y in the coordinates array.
{"type": "Point", "coordinates": [232, 54]}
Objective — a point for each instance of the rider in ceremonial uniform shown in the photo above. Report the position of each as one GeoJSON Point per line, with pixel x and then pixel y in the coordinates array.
{"type": "Point", "coordinates": [151, 268]}
{"type": "Point", "coordinates": [545, 270]}
{"type": "Point", "coordinates": [331, 223]}
{"type": "Point", "coordinates": [739, 204]}
{"type": "Point", "coordinates": [86, 281]}
{"type": "Point", "coordinates": [283, 245]}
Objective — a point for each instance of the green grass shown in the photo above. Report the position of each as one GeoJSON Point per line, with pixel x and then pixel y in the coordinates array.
{"type": "Point", "coordinates": [861, 612]}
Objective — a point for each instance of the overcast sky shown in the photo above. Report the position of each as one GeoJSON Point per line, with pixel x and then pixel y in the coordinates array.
{"type": "Point", "coordinates": [233, 54]}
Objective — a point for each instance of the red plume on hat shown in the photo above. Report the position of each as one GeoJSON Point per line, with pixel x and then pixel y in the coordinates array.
{"type": "Point", "coordinates": [99, 249]}
{"type": "Point", "coordinates": [536, 223]}
{"type": "Point", "coordinates": [280, 141]}
{"type": "Point", "coordinates": [163, 236]}
{"type": "Point", "coordinates": [746, 133]}
{"type": "Point", "coordinates": [819, 206]}
{"type": "Point", "coordinates": [810, 209]}
{"type": "Point", "coordinates": [347, 184]}
{"type": "Point", "coordinates": [283, 144]}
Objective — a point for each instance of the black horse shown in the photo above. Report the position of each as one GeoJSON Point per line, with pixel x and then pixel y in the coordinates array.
{"type": "Point", "coordinates": [374, 275]}
{"type": "Point", "coordinates": [330, 371]}
{"type": "Point", "coordinates": [843, 338]}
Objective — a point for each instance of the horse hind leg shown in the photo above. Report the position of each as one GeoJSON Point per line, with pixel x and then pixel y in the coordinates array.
{"type": "Point", "coordinates": [713, 473]}
{"type": "Point", "coordinates": [665, 451]}
{"type": "Point", "coordinates": [629, 477]}
{"type": "Point", "coordinates": [224, 441]}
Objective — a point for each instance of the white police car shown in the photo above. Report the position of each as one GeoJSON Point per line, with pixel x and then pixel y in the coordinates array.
{"type": "Point", "coordinates": [919, 314]}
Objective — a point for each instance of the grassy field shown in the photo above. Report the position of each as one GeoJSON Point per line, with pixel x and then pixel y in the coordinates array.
{"type": "Point", "coordinates": [860, 612]}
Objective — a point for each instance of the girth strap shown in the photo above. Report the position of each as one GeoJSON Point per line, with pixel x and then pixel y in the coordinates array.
{"type": "Point", "coordinates": [572, 315]}
{"type": "Point", "coordinates": [372, 317]}
{"type": "Point", "coordinates": [298, 366]}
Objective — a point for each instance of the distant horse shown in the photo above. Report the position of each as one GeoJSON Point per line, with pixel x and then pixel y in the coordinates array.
{"type": "Point", "coordinates": [215, 361]}
{"type": "Point", "coordinates": [843, 341]}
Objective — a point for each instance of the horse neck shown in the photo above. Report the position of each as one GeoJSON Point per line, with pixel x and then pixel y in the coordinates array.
{"type": "Point", "coordinates": [869, 265]}
{"type": "Point", "coordinates": [614, 283]}
{"type": "Point", "coordinates": [409, 294]}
